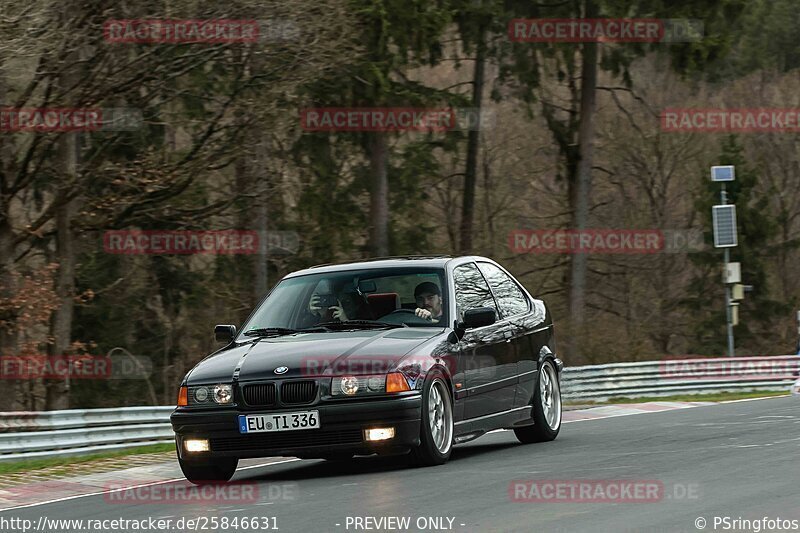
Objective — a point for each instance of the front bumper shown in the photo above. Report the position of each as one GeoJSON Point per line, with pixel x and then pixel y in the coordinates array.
{"type": "Point", "coordinates": [342, 426]}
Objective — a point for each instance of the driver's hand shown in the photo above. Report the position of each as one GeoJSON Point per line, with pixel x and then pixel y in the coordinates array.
{"type": "Point", "coordinates": [338, 313]}
{"type": "Point", "coordinates": [423, 313]}
{"type": "Point", "coordinates": [313, 305]}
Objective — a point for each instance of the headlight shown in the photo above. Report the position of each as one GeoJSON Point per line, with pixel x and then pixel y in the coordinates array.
{"type": "Point", "coordinates": [209, 395]}
{"type": "Point", "coordinates": [376, 384]}
{"type": "Point", "coordinates": [348, 385]}
{"type": "Point", "coordinates": [368, 385]}
{"type": "Point", "coordinates": [223, 393]}
{"type": "Point", "coordinates": [358, 385]}
{"type": "Point", "coordinates": [201, 394]}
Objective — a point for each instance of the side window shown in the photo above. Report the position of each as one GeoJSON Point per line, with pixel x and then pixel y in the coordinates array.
{"type": "Point", "coordinates": [471, 289]}
{"type": "Point", "coordinates": [510, 298]}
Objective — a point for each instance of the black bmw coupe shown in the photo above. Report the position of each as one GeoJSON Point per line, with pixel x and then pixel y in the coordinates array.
{"type": "Point", "coordinates": [406, 355]}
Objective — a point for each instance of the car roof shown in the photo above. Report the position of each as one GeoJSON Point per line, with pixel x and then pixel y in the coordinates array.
{"type": "Point", "coordinates": [429, 261]}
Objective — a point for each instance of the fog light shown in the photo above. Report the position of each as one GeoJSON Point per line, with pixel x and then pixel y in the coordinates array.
{"type": "Point", "coordinates": [380, 434]}
{"type": "Point", "coordinates": [196, 445]}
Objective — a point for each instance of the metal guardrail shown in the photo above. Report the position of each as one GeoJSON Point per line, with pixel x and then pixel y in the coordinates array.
{"type": "Point", "coordinates": [81, 418]}
{"type": "Point", "coordinates": [29, 435]}
{"type": "Point", "coordinates": [33, 435]}
{"type": "Point", "coordinates": [680, 376]}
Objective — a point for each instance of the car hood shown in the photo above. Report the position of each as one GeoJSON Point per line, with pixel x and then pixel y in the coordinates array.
{"type": "Point", "coordinates": [312, 354]}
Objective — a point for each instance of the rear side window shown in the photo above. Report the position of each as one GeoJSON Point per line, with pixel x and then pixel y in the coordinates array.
{"type": "Point", "coordinates": [509, 296]}
{"type": "Point", "coordinates": [471, 289]}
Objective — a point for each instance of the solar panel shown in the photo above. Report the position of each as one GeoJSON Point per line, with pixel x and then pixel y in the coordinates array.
{"type": "Point", "coordinates": [724, 221]}
{"type": "Point", "coordinates": [723, 173]}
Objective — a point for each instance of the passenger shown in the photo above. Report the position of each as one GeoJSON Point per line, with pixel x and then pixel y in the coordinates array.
{"type": "Point", "coordinates": [344, 306]}
{"type": "Point", "coordinates": [327, 307]}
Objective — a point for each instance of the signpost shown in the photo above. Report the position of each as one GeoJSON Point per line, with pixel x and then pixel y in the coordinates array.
{"type": "Point", "coordinates": [725, 237]}
{"type": "Point", "coordinates": [798, 333]}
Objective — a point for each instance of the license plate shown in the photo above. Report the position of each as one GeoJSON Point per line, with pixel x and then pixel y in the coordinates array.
{"type": "Point", "coordinates": [279, 422]}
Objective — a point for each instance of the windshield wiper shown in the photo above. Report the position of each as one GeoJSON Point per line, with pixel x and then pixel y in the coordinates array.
{"type": "Point", "coordinates": [359, 324]}
{"type": "Point", "coordinates": [277, 332]}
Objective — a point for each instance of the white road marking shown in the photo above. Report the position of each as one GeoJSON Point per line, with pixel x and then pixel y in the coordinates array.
{"type": "Point", "coordinates": [755, 399]}
{"type": "Point", "coordinates": [67, 498]}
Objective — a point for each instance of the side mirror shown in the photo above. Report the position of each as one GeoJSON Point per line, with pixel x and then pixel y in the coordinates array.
{"type": "Point", "coordinates": [224, 333]}
{"type": "Point", "coordinates": [479, 317]}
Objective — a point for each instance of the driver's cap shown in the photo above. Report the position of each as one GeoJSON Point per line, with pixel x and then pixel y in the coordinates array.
{"type": "Point", "coordinates": [427, 287]}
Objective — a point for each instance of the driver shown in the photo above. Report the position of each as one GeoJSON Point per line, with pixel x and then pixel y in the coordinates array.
{"type": "Point", "coordinates": [429, 301]}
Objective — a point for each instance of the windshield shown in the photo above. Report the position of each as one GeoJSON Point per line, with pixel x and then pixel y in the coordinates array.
{"type": "Point", "coordinates": [355, 298]}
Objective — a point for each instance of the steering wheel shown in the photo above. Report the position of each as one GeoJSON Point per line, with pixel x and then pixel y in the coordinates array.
{"type": "Point", "coordinates": [413, 319]}
{"type": "Point", "coordinates": [398, 311]}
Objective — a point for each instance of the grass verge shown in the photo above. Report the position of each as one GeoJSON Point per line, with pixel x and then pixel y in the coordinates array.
{"type": "Point", "coordinates": [28, 465]}
{"type": "Point", "coordinates": [714, 397]}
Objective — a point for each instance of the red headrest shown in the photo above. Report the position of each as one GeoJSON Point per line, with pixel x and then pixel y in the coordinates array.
{"type": "Point", "coordinates": [383, 303]}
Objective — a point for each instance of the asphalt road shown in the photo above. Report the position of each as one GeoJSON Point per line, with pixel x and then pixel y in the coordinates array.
{"type": "Point", "coordinates": [738, 460]}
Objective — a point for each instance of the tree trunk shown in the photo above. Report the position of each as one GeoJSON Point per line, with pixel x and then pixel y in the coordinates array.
{"type": "Point", "coordinates": [57, 391]}
{"type": "Point", "coordinates": [488, 206]}
{"type": "Point", "coordinates": [379, 194]}
{"type": "Point", "coordinates": [579, 193]}
{"type": "Point", "coordinates": [473, 139]}
{"type": "Point", "coordinates": [262, 258]}
{"type": "Point", "coordinates": [8, 339]}
{"type": "Point", "coordinates": [262, 172]}
{"type": "Point", "coordinates": [57, 396]}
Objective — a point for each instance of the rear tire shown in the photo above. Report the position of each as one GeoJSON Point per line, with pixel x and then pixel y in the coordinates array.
{"type": "Point", "coordinates": [436, 424]}
{"type": "Point", "coordinates": [546, 408]}
{"type": "Point", "coordinates": [209, 470]}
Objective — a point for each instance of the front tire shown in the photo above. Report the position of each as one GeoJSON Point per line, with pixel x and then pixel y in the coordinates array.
{"type": "Point", "coordinates": [436, 425]}
{"type": "Point", "coordinates": [207, 471]}
{"type": "Point", "coordinates": [338, 457]}
{"type": "Point", "coordinates": [546, 408]}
